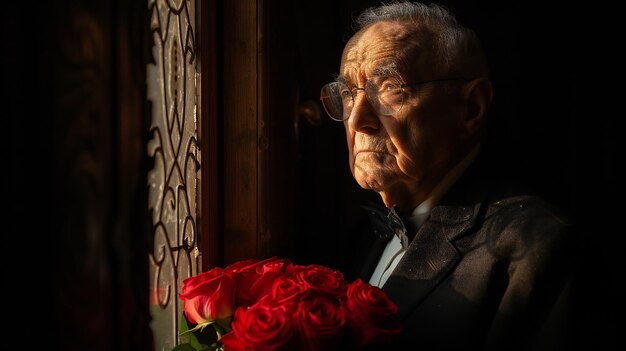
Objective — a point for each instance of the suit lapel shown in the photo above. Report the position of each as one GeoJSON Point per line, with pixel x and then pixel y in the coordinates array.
{"type": "Point", "coordinates": [430, 257]}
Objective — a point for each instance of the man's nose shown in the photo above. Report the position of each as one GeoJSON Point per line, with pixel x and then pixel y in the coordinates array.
{"type": "Point", "coordinates": [363, 118]}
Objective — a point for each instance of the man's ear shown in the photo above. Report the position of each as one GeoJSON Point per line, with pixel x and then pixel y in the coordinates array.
{"type": "Point", "coordinates": [478, 95]}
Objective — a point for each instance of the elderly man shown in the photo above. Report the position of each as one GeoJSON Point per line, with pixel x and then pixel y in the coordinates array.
{"type": "Point", "coordinates": [471, 262]}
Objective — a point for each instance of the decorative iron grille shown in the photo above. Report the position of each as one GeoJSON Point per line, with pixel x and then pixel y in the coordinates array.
{"type": "Point", "coordinates": [173, 182]}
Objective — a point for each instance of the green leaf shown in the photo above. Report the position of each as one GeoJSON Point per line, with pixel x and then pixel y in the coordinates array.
{"type": "Point", "coordinates": [184, 323]}
{"type": "Point", "coordinates": [186, 328]}
{"type": "Point", "coordinates": [184, 347]}
{"type": "Point", "coordinates": [196, 335]}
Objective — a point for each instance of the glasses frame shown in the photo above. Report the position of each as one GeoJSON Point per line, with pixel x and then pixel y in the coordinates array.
{"type": "Point", "coordinates": [402, 86]}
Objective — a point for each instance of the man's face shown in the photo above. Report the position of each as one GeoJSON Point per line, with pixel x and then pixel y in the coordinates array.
{"type": "Point", "coordinates": [401, 156]}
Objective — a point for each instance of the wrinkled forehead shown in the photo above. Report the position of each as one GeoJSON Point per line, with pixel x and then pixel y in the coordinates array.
{"type": "Point", "coordinates": [385, 48]}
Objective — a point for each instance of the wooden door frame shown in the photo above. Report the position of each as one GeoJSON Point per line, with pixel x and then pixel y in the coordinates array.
{"type": "Point", "coordinates": [247, 100]}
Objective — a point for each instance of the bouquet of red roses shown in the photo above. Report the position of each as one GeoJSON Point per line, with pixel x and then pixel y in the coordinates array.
{"type": "Point", "coordinates": [274, 304]}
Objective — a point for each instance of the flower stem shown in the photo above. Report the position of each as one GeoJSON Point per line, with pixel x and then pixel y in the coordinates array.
{"type": "Point", "coordinates": [218, 330]}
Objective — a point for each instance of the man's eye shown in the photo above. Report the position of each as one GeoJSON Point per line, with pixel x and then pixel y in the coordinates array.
{"type": "Point", "coordinates": [345, 93]}
{"type": "Point", "coordinates": [389, 86]}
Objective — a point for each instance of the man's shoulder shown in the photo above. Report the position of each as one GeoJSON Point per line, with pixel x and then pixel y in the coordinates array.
{"type": "Point", "coordinates": [522, 223]}
{"type": "Point", "coordinates": [525, 207]}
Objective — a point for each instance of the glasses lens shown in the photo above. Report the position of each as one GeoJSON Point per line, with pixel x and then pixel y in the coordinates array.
{"type": "Point", "coordinates": [337, 100]}
{"type": "Point", "coordinates": [385, 95]}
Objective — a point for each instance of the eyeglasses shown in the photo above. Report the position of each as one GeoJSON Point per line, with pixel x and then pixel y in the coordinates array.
{"type": "Point", "coordinates": [385, 95]}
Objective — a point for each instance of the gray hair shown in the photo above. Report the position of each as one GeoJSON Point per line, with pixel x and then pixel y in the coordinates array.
{"type": "Point", "coordinates": [457, 49]}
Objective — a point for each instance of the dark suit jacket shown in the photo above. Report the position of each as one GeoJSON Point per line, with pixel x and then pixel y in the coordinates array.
{"type": "Point", "coordinates": [488, 270]}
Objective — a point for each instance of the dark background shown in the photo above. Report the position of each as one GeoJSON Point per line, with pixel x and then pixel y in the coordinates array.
{"type": "Point", "coordinates": [74, 92]}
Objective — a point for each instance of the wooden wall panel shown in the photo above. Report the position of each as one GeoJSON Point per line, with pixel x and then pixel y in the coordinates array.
{"type": "Point", "coordinates": [240, 113]}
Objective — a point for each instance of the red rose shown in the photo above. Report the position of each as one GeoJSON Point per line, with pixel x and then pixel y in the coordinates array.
{"type": "Point", "coordinates": [320, 322]}
{"type": "Point", "coordinates": [287, 291]}
{"type": "Point", "coordinates": [208, 296]}
{"type": "Point", "coordinates": [255, 278]}
{"type": "Point", "coordinates": [231, 342]}
{"type": "Point", "coordinates": [320, 279]}
{"type": "Point", "coordinates": [274, 305]}
{"type": "Point", "coordinates": [263, 327]}
{"type": "Point", "coordinates": [373, 317]}
{"type": "Point", "coordinates": [284, 267]}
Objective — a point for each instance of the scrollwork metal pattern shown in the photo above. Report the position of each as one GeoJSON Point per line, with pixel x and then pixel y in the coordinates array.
{"type": "Point", "coordinates": [173, 181]}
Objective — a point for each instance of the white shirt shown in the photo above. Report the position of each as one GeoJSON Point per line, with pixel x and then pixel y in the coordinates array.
{"type": "Point", "coordinates": [394, 251]}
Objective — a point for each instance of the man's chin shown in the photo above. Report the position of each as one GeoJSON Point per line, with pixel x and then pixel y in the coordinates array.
{"type": "Point", "coordinates": [370, 183]}
{"type": "Point", "coordinates": [374, 177]}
